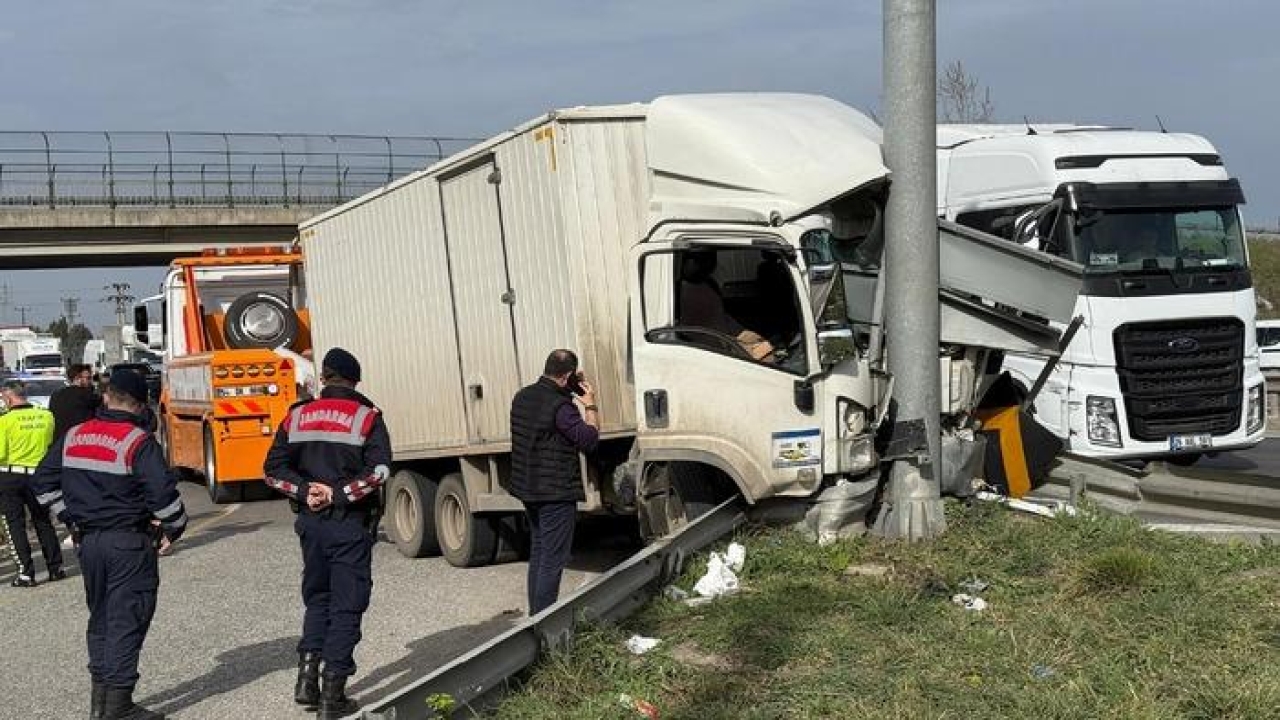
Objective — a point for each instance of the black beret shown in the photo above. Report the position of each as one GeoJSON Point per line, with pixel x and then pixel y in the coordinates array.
{"type": "Point", "coordinates": [131, 383]}
{"type": "Point", "coordinates": [342, 363]}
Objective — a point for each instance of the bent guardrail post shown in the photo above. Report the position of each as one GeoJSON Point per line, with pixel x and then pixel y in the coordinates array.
{"type": "Point", "coordinates": [608, 598]}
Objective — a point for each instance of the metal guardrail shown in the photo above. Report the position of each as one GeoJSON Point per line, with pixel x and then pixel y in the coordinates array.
{"type": "Point", "coordinates": [610, 597]}
{"type": "Point", "coordinates": [199, 169]}
{"type": "Point", "coordinates": [1215, 496]}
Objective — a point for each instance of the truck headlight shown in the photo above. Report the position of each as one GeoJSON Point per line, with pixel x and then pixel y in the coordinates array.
{"type": "Point", "coordinates": [1100, 416]}
{"type": "Point", "coordinates": [1257, 409]}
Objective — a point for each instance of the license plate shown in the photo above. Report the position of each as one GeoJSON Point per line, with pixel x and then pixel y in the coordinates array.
{"type": "Point", "coordinates": [1199, 441]}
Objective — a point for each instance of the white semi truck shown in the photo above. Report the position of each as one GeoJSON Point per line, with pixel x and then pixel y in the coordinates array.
{"type": "Point", "coordinates": [41, 356]}
{"type": "Point", "coordinates": [582, 229]}
{"type": "Point", "coordinates": [1165, 364]}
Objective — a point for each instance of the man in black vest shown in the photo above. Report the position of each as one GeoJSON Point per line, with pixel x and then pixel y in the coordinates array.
{"type": "Point", "coordinates": [547, 433]}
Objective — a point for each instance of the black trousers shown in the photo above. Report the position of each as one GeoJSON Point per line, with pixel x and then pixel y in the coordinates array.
{"type": "Point", "coordinates": [17, 500]}
{"type": "Point", "coordinates": [551, 527]}
{"type": "Point", "coordinates": [337, 580]}
{"type": "Point", "coordinates": [121, 580]}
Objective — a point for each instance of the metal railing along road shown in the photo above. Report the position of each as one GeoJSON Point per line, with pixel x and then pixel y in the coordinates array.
{"type": "Point", "coordinates": [204, 169]}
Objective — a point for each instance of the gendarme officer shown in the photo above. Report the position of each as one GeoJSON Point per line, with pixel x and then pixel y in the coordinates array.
{"type": "Point", "coordinates": [330, 457]}
{"type": "Point", "coordinates": [107, 479]}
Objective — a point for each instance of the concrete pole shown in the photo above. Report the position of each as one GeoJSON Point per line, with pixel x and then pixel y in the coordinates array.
{"type": "Point", "coordinates": [913, 507]}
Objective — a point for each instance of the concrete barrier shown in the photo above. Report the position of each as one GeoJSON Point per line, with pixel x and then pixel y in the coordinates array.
{"type": "Point", "coordinates": [1273, 402]}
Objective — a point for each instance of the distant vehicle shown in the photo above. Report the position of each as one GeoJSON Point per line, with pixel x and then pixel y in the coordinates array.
{"type": "Point", "coordinates": [1268, 332]}
{"type": "Point", "coordinates": [40, 389]}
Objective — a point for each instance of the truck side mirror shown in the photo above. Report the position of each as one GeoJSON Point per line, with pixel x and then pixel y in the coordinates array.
{"type": "Point", "coordinates": [141, 325]}
{"type": "Point", "coordinates": [834, 345]}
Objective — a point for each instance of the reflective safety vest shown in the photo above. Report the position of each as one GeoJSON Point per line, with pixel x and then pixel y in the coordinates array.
{"type": "Point", "coordinates": [332, 420]}
{"type": "Point", "coordinates": [102, 446]}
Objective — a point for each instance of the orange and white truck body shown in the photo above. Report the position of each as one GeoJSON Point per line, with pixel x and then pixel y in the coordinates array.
{"type": "Point", "coordinates": [234, 331]}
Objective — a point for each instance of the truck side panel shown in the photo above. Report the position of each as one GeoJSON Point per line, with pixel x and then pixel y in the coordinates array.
{"type": "Point", "coordinates": [378, 284]}
{"type": "Point", "coordinates": [398, 279]}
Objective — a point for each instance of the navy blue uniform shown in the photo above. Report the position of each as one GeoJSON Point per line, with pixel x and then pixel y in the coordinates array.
{"type": "Point", "coordinates": [340, 440]}
{"type": "Point", "coordinates": [107, 478]}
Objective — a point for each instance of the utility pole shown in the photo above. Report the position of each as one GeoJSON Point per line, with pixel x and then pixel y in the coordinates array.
{"type": "Point", "coordinates": [22, 311]}
{"type": "Point", "coordinates": [4, 302]}
{"type": "Point", "coordinates": [70, 308]}
{"type": "Point", "coordinates": [913, 504]}
{"type": "Point", "coordinates": [121, 297]}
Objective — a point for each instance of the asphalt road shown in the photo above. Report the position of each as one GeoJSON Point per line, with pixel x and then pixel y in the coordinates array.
{"type": "Point", "coordinates": [1261, 460]}
{"type": "Point", "coordinates": [223, 641]}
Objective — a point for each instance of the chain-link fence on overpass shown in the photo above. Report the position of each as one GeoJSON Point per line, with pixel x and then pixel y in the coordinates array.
{"type": "Point", "coordinates": [169, 169]}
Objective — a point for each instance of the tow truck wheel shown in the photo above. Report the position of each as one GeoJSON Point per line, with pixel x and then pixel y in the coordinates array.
{"type": "Point", "coordinates": [466, 539]}
{"type": "Point", "coordinates": [219, 493]}
{"type": "Point", "coordinates": [411, 519]}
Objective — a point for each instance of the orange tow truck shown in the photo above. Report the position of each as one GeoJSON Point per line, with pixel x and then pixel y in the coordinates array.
{"type": "Point", "coordinates": [235, 339]}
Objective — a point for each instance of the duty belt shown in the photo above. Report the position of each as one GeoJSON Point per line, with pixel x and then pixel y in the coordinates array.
{"type": "Point", "coordinates": [18, 469]}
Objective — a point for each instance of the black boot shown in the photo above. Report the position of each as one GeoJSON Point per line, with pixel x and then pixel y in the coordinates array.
{"type": "Point", "coordinates": [117, 704]}
{"type": "Point", "coordinates": [307, 690]}
{"type": "Point", "coordinates": [334, 703]}
{"type": "Point", "coordinates": [97, 700]}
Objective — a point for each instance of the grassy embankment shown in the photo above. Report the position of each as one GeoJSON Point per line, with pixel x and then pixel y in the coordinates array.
{"type": "Point", "coordinates": [1264, 258]}
{"type": "Point", "coordinates": [1088, 618]}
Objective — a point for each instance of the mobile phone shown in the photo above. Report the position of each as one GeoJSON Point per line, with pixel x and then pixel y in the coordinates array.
{"type": "Point", "coordinates": [575, 383]}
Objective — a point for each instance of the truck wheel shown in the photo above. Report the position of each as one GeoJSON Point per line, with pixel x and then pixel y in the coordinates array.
{"type": "Point", "coordinates": [219, 493]}
{"type": "Point", "coordinates": [674, 494]}
{"type": "Point", "coordinates": [411, 519]}
{"type": "Point", "coordinates": [260, 320]}
{"type": "Point", "coordinates": [466, 539]}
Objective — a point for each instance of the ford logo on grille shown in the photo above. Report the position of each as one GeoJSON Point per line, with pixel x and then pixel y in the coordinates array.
{"type": "Point", "coordinates": [1184, 344]}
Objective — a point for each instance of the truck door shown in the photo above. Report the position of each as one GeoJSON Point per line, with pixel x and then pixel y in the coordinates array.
{"type": "Point", "coordinates": [482, 294]}
{"type": "Point", "coordinates": [701, 395]}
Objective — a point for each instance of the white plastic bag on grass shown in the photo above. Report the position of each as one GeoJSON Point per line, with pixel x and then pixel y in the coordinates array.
{"type": "Point", "coordinates": [735, 556]}
{"type": "Point", "coordinates": [718, 580]}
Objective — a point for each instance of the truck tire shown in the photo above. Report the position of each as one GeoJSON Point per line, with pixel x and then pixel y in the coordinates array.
{"type": "Point", "coordinates": [674, 494]}
{"type": "Point", "coordinates": [260, 320]}
{"type": "Point", "coordinates": [410, 520]}
{"type": "Point", "coordinates": [466, 539]}
{"type": "Point", "coordinates": [219, 493]}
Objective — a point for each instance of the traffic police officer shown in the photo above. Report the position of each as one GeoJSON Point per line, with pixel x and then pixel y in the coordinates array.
{"type": "Point", "coordinates": [107, 479]}
{"type": "Point", "coordinates": [330, 456]}
{"type": "Point", "coordinates": [25, 434]}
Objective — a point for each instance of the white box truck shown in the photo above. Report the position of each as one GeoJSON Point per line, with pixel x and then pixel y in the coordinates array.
{"type": "Point", "coordinates": [582, 229]}
{"type": "Point", "coordinates": [1166, 363]}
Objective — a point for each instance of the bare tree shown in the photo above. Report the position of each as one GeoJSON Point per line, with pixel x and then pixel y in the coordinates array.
{"type": "Point", "coordinates": [961, 98]}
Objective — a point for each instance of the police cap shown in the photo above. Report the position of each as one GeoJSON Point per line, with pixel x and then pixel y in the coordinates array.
{"type": "Point", "coordinates": [342, 363]}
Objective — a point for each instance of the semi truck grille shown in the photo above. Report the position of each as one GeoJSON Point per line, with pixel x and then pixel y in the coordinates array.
{"type": "Point", "coordinates": [1181, 376]}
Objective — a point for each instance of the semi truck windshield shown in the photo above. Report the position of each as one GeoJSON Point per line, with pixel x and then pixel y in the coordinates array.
{"type": "Point", "coordinates": [1117, 240]}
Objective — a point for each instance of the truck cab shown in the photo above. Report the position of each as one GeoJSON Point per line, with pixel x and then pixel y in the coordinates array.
{"type": "Point", "coordinates": [1165, 365]}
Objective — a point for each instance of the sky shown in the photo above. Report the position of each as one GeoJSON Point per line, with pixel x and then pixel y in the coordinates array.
{"type": "Point", "coordinates": [472, 69]}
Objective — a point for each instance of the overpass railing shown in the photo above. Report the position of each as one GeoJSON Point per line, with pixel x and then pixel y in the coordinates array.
{"type": "Point", "coordinates": [198, 169]}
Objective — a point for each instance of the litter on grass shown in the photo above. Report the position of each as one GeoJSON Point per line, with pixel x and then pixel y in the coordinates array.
{"type": "Point", "coordinates": [720, 578]}
{"type": "Point", "coordinates": [639, 644]}
{"type": "Point", "coordinates": [969, 602]}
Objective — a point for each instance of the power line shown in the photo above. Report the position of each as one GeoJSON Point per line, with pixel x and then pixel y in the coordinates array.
{"type": "Point", "coordinates": [70, 308]}
{"type": "Point", "coordinates": [121, 297]}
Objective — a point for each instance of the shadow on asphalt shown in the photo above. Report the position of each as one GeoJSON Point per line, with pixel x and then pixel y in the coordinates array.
{"type": "Point", "coordinates": [214, 534]}
{"type": "Point", "coordinates": [428, 653]}
{"type": "Point", "coordinates": [235, 669]}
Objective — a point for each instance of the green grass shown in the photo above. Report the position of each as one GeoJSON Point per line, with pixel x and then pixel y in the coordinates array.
{"type": "Point", "coordinates": [1264, 262]}
{"type": "Point", "coordinates": [1088, 618]}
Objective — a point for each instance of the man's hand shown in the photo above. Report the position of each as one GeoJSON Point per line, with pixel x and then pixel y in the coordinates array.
{"type": "Point", "coordinates": [319, 496]}
{"type": "Point", "coordinates": [164, 547]}
{"type": "Point", "coordinates": [588, 396]}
